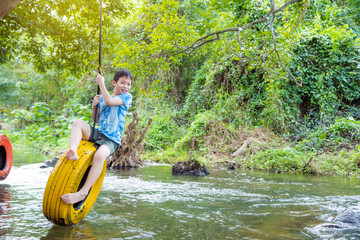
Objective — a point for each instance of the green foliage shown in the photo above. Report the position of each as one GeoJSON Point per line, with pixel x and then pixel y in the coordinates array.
{"type": "Point", "coordinates": [163, 131]}
{"type": "Point", "coordinates": [197, 131]}
{"type": "Point", "coordinates": [39, 113]}
{"type": "Point", "coordinates": [199, 94]}
{"type": "Point", "coordinates": [279, 160]}
{"type": "Point", "coordinates": [9, 94]}
{"type": "Point", "coordinates": [343, 163]}
{"type": "Point", "coordinates": [280, 110]}
{"type": "Point", "coordinates": [343, 131]}
{"type": "Point", "coordinates": [40, 129]}
{"type": "Point", "coordinates": [352, 8]}
{"type": "Point", "coordinates": [160, 27]}
{"type": "Point", "coordinates": [154, 43]}
{"type": "Point", "coordinates": [326, 60]}
{"type": "Point", "coordinates": [228, 108]}
{"type": "Point", "coordinates": [346, 128]}
{"type": "Point", "coordinates": [21, 117]}
{"type": "Point", "coordinates": [329, 76]}
{"type": "Point", "coordinates": [57, 34]}
{"type": "Point", "coordinates": [233, 92]}
{"type": "Point", "coordinates": [33, 126]}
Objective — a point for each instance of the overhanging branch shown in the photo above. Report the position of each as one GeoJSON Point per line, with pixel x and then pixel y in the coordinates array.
{"type": "Point", "coordinates": [210, 37]}
{"type": "Point", "coordinates": [203, 40]}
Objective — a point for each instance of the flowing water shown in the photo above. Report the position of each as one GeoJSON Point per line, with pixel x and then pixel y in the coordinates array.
{"type": "Point", "coordinates": [151, 203]}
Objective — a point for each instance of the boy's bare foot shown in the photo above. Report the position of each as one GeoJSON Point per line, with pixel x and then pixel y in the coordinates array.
{"type": "Point", "coordinates": [72, 198]}
{"type": "Point", "coordinates": [71, 154]}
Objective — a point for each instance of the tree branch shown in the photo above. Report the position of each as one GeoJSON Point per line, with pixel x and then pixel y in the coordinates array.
{"type": "Point", "coordinates": [161, 151]}
{"type": "Point", "coordinates": [143, 133]}
{"type": "Point", "coordinates": [203, 40]}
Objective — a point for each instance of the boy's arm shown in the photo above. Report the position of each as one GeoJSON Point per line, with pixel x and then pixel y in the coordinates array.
{"type": "Point", "coordinates": [108, 99]}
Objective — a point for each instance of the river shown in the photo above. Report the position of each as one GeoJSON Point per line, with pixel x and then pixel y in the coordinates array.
{"type": "Point", "coordinates": [151, 203]}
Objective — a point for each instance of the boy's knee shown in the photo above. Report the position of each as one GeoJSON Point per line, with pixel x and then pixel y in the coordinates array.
{"type": "Point", "coordinates": [101, 154]}
{"type": "Point", "coordinates": [99, 158]}
{"type": "Point", "coordinates": [77, 122]}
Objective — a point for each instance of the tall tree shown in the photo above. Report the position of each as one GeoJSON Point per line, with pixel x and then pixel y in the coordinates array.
{"type": "Point", "coordinates": [61, 34]}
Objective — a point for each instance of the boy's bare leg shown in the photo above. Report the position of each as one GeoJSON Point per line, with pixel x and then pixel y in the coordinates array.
{"type": "Point", "coordinates": [79, 130]}
{"type": "Point", "coordinates": [100, 156]}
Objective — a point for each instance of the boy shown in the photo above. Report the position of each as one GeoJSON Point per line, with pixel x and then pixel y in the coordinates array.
{"type": "Point", "coordinates": [111, 115]}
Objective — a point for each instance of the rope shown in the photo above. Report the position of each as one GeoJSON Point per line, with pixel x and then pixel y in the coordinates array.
{"type": "Point", "coordinates": [100, 43]}
{"type": "Point", "coordinates": [99, 68]}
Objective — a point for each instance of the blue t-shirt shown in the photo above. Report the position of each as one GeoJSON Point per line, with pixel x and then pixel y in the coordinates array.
{"type": "Point", "coordinates": [112, 118]}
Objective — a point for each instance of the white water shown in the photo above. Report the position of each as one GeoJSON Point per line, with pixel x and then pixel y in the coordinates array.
{"type": "Point", "coordinates": [151, 203]}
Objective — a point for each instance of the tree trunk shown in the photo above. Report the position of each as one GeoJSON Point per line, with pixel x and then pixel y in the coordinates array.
{"type": "Point", "coordinates": [242, 149]}
{"type": "Point", "coordinates": [6, 6]}
{"type": "Point", "coordinates": [128, 154]}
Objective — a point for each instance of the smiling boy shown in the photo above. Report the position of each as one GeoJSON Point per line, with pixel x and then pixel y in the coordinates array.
{"type": "Point", "coordinates": [107, 138]}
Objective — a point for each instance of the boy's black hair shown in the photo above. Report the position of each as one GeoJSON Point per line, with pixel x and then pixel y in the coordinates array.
{"type": "Point", "coordinates": [123, 73]}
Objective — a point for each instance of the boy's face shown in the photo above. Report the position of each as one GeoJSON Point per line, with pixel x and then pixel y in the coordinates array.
{"type": "Point", "coordinates": [123, 85]}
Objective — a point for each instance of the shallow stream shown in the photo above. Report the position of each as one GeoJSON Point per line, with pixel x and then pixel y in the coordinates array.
{"type": "Point", "coordinates": [151, 203]}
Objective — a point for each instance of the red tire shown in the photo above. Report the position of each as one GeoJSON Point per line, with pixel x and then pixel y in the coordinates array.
{"type": "Point", "coordinates": [6, 156]}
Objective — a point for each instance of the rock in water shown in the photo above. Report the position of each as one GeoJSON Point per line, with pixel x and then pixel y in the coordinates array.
{"type": "Point", "coordinates": [50, 163]}
{"type": "Point", "coordinates": [349, 216]}
{"type": "Point", "coordinates": [191, 167]}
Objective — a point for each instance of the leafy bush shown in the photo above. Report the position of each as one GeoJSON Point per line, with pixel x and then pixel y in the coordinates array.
{"type": "Point", "coordinates": [347, 128]}
{"type": "Point", "coordinates": [197, 131]}
{"type": "Point", "coordinates": [38, 113]}
{"type": "Point", "coordinates": [279, 160]}
{"type": "Point", "coordinates": [21, 118]}
{"type": "Point", "coordinates": [342, 132]}
{"type": "Point", "coordinates": [344, 162]}
{"type": "Point", "coordinates": [163, 131]}
{"type": "Point", "coordinates": [41, 112]}
{"type": "Point", "coordinates": [199, 94]}
{"type": "Point", "coordinates": [326, 60]}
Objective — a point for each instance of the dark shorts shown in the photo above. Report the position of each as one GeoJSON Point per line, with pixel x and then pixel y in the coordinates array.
{"type": "Point", "coordinates": [100, 139]}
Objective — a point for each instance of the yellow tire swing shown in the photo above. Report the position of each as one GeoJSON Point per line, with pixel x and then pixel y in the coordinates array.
{"type": "Point", "coordinates": [68, 176]}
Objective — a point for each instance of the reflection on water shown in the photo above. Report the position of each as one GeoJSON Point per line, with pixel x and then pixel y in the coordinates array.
{"type": "Point", "coordinates": [27, 157]}
{"type": "Point", "coordinates": [5, 208]}
{"type": "Point", "coordinates": [150, 203]}
{"type": "Point", "coordinates": [79, 231]}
